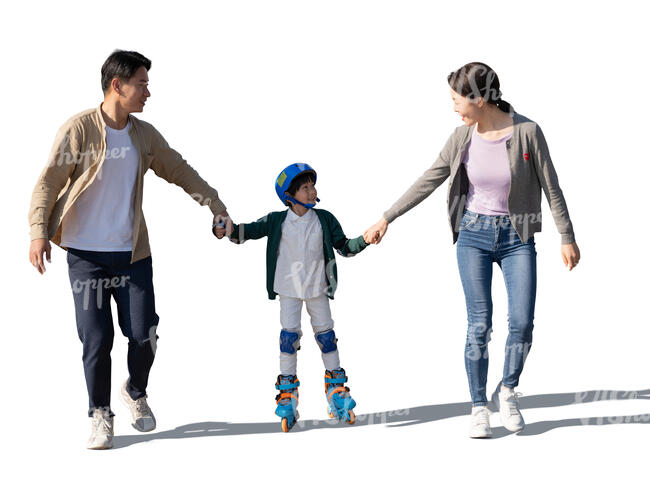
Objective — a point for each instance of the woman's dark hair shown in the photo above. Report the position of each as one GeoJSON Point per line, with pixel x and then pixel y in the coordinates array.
{"type": "Point", "coordinates": [477, 79]}
{"type": "Point", "coordinates": [301, 179]}
{"type": "Point", "coordinates": [122, 64]}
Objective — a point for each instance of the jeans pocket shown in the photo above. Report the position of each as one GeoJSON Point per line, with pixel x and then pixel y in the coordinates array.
{"type": "Point", "coordinates": [70, 257]}
{"type": "Point", "coordinates": [468, 221]}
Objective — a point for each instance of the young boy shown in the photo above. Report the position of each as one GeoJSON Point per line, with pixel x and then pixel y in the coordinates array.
{"type": "Point", "coordinates": [300, 267]}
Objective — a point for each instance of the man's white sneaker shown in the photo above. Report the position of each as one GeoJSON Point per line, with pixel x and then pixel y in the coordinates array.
{"type": "Point", "coordinates": [480, 424]}
{"type": "Point", "coordinates": [506, 402]}
{"type": "Point", "coordinates": [101, 436]}
{"type": "Point", "coordinates": [142, 417]}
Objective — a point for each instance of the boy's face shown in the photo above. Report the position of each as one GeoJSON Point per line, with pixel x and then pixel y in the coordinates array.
{"type": "Point", "coordinates": [306, 193]}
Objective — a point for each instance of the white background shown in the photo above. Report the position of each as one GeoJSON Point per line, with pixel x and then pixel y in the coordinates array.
{"type": "Point", "coordinates": [358, 90]}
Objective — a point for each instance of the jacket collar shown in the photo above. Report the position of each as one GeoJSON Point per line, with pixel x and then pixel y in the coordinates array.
{"type": "Point", "coordinates": [517, 121]}
{"type": "Point", "coordinates": [102, 123]}
{"type": "Point", "coordinates": [292, 216]}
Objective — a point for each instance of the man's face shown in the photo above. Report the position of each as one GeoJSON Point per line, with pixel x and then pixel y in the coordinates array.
{"type": "Point", "coordinates": [134, 92]}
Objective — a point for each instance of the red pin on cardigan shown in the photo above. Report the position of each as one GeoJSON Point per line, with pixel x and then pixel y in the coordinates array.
{"type": "Point", "coordinates": [526, 156]}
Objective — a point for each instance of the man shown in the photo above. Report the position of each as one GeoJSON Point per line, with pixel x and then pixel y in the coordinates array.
{"type": "Point", "coordinates": [88, 200]}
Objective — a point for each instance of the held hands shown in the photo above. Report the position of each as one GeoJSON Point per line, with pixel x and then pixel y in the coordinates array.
{"type": "Point", "coordinates": [375, 233]}
{"type": "Point", "coordinates": [36, 249]}
{"type": "Point", "coordinates": [570, 255]}
{"type": "Point", "coordinates": [222, 225]}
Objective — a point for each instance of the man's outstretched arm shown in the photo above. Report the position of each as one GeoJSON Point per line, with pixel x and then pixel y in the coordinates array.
{"type": "Point", "coordinates": [169, 165]}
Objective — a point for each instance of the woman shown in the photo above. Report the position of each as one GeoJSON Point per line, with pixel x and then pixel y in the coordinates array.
{"type": "Point", "coordinates": [498, 163]}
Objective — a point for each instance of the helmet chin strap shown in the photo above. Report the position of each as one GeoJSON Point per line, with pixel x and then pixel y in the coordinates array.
{"type": "Point", "coordinates": [306, 205]}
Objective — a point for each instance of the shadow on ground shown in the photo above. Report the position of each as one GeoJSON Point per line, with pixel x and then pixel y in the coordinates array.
{"type": "Point", "coordinates": [413, 416]}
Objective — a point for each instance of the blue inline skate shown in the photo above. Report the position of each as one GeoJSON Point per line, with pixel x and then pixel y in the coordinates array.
{"type": "Point", "coordinates": [339, 401]}
{"type": "Point", "coordinates": [287, 399]}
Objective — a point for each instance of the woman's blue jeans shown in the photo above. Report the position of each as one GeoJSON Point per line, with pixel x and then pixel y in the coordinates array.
{"type": "Point", "coordinates": [482, 240]}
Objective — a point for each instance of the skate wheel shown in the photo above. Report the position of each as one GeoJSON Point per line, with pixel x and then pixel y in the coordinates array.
{"type": "Point", "coordinates": [330, 413]}
{"type": "Point", "coordinates": [351, 417]}
{"type": "Point", "coordinates": [285, 424]}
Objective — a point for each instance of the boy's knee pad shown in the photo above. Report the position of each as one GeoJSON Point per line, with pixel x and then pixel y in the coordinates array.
{"type": "Point", "coordinates": [326, 341]}
{"type": "Point", "coordinates": [289, 341]}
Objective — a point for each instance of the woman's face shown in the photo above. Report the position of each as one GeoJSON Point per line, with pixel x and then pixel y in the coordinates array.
{"type": "Point", "coordinates": [466, 109]}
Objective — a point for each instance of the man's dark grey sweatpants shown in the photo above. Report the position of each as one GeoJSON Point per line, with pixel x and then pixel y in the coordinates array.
{"type": "Point", "coordinates": [95, 277]}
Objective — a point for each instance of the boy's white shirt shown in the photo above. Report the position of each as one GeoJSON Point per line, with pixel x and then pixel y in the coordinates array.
{"type": "Point", "coordinates": [300, 270]}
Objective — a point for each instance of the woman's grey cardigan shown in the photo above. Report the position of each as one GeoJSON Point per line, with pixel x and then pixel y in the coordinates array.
{"type": "Point", "coordinates": [531, 170]}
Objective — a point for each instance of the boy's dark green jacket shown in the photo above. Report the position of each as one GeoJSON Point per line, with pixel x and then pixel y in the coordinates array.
{"type": "Point", "coordinates": [271, 226]}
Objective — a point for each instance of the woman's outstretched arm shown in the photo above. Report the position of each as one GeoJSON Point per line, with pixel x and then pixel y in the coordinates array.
{"type": "Point", "coordinates": [424, 186]}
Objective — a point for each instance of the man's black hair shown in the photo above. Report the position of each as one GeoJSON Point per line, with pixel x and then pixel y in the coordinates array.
{"type": "Point", "coordinates": [122, 64]}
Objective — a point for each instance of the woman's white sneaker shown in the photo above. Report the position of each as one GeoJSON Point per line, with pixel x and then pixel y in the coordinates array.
{"type": "Point", "coordinates": [506, 401]}
{"type": "Point", "coordinates": [480, 424]}
{"type": "Point", "coordinates": [142, 418]}
{"type": "Point", "coordinates": [101, 435]}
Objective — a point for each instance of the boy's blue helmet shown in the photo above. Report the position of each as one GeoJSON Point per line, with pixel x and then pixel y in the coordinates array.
{"type": "Point", "coordinates": [286, 176]}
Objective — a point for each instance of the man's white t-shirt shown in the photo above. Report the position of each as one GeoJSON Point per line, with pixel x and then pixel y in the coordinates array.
{"type": "Point", "coordinates": [101, 219]}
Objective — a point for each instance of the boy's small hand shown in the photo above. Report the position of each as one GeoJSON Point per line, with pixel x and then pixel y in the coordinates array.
{"type": "Point", "coordinates": [375, 233]}
{"type": "Point", "coordinates": [222, 225]}
{"type": "Point", "coordinates": [368, 239]}
{"type": "Point", "coordinates": [219, 232]}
